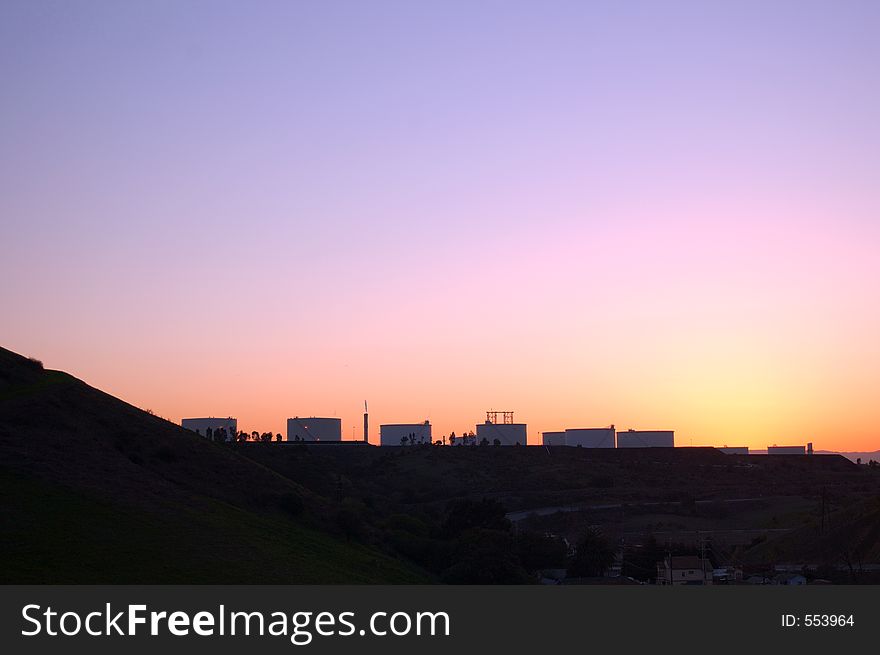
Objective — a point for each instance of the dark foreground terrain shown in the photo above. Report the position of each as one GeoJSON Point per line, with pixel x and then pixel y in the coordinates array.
{"type": "Point", "coordinates": [93, 490]}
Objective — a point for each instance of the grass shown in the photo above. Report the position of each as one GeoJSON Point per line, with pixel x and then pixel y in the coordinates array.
{"type": "Point", "coordinates": [52, 534]}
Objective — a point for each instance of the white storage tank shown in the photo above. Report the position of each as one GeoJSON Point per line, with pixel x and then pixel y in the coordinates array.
{"type": "Point", "coordinates": [405, 434]}
{"type": "Point", "coordinates": [508, 434]}
{"type": "Point", "coordinates": [553, 438]}
{"type": "Point", "coordinates": [202, 425]}
{"type": "Point", "coordinates": [314, 428]}
{"type": "Point", "coordinates": [646, 439]}
{"type": "Point", "coordinates": [590, 437]}
{"type": "Point", "coordinates": [786, 450]}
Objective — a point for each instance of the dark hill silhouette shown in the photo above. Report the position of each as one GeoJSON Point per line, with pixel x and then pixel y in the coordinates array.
{"type": "Point", "coordinates": [95, 490]}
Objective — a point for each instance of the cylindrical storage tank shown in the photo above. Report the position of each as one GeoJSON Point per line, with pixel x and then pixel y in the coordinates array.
{"type": "Point", "coordinates": [314, 428]}
{"type": "Point", "coordinates": [590, 437]}
{"type": "Point", "coordinates": [646, 439]}
{"type": "Point", "coordinates": [404, 434]}
{"type": "Point", "coordinates": [553, 438]}
{"type": "Point", "coordinates": [507, 434]}
{"type": "Point", "coordinates": [786, 450]}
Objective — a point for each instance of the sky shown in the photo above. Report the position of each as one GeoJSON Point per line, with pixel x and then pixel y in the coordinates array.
{"type": "Point", "coordinates": [658, 214]}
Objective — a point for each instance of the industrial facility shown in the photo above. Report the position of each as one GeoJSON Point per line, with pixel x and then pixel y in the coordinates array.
{"type": "Point", "coordinates": [314, 428]}
{"type": "Point", "coordinates": [581, 437]}
{"type": "Point", "coordinates": [498, 429]}
{"type": "Point", "coordinates": [786, 450]}
{"type": "Point", "coordinates": [203, 425]}
{"type": "Point", "coordinates": [590, 437]}
{"type": "Point", "coordinates": [646, 439]}
{"type": "Point", "coordinates": [405, 434]}
{"type": "Point", "coordinates": [553, 438]}
{"type": "Point", "coordinates": [506, 433]}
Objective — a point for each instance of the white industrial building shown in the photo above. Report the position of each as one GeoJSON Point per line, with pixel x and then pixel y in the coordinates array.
{"type": "Point", "coordinates": [314, 428]}
{"type": "Point", "coordinates": [786, 450]}
{"type": "Point", "coordinates": [590, 437]}
{"type": "Point", "coordinates": [646, 439]}
{"type": "Point", "coordinates": [202, 425]}
{"type": "Point", "coordinates": [734, 450]}
{"type": "Point", "coordinates": [507, 434]}
{"type": "Point", "coordinates": [405, 434]}
{"type": "Point", "coordinates": [553, 438]}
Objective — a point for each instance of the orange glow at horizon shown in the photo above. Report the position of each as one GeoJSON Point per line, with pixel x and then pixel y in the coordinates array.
{"type": "Point", "coordinates": [639, 214]}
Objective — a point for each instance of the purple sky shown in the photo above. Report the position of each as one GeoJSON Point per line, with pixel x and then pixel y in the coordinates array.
{"type": "Point", "coordinates": [655, 214]}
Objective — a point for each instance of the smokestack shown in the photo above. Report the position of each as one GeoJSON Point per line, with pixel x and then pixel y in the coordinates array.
{"type": "Point", "coordinates": [366, 424]}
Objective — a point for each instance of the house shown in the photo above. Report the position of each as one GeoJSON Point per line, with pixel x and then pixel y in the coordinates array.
{"type": "Point", "coordinates": [684, 570]}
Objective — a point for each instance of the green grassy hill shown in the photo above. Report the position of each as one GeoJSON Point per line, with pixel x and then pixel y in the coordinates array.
{"type": "Point", "coordinates": [94, 490]}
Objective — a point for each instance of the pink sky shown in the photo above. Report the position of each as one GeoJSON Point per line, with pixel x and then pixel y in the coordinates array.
{"type": "Point", "coordinates": [657, 215]}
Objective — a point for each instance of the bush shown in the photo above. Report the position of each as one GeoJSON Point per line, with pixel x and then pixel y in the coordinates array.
{"type": "Point", "coordinates": [485, 557]}
{"type": "Point", "coordinates": [35, 363]}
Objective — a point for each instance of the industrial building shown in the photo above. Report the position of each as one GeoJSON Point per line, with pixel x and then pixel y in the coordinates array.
{"type": "Point", "coordinates": [646, 439]}
{"type": "Point", "coordinates": [314, 428]}
{"type": "Point", "coordinates": [590, 437]}
{"type": "Point", "coordinates": [202, 425]}
{"type": "Point", "coordinates": [734, 450]}
{"type": "Point", "coordinates": [786, 450]}
{"type": "Point", "coordinates": [553, 438]}
{"type": "Point", "coordinates": [507, 434]}
{"type": "Point", "coordinates": [405, 434]}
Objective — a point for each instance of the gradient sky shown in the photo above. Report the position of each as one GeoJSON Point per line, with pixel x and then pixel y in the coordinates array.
{"type": "Point", "coordinates": [652, 214]}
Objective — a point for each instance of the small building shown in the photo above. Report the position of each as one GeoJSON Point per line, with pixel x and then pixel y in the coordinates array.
{"type": "Point", "coordinates": [646, 439]}
{"type": "Point", "coordinates": [684, 570]}
{"type": "Point", "coordinates": [405, 434]}
{"type": "Point", "coordinates": [553, 438]}
{"type": "Point", "coordinates": [314, 428]}
{"type": "Point", "coordinates": [217, 429]}
{"type": "Point", "coordinates": [590, 437]}
{"type": "Point", "coordinates": [734, 450]}
{"type": "Point", "coordinates": [786, 450]}
{"type": "Point", "coordinates": [506, 434]}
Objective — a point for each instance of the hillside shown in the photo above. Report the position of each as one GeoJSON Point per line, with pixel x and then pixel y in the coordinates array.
{"type": "Point", "coordinates": [94, 490]}
{"type": "Point", "coordinates": [849, 537]}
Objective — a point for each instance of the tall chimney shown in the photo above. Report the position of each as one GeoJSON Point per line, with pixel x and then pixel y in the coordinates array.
{"type": "Point", "coordinates": [366, 424]}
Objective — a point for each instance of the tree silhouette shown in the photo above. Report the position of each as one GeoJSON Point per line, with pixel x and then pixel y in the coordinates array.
{"type": "Point", "coordinates": [593, 556]}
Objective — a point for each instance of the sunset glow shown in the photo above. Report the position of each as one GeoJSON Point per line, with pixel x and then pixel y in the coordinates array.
{"type": "Point", "coordinates": [653, 217]}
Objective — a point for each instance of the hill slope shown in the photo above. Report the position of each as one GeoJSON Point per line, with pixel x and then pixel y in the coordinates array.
{"type": "Point", "coordinates": [94, 490]}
